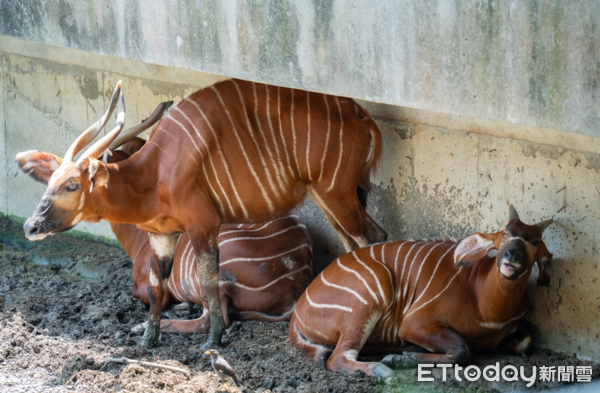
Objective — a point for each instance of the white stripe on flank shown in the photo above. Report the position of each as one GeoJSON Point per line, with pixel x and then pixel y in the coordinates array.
{"type": "Point", "coordinates": [225, 162]}
{"type": "Point", "coordinates": [262, 258]}
{"type": "Point", "coordinates": [250, 166]}
{"type": "Point", "coordinates": [330, 284]}
{"type": "Point", "coordinates": [219, 203]}
{"type": "Point", "coordinates": [360, 278]}
{"type": "Point", "coordinates": [433, 274]}
{"type": "Point", "coordinates": [341, 146]}
{"type": "Point", "coordinates": [258, 289]}
{"type": "Point", "coordinates": [262, 237]}
{"type": "Point", "coordinates": [264, 139]}
{"type": "Point", "coordinates": [277, 163]}
{"type": "Point", "coordinates": [396, 259]}
{"type": "Point", "coordinates": [409, 301]}
{"type": "Point", "coordinates": [410, 269]}
{"type": "Point", "coordinates": [436, 296]}
{"type": "Point", "coordinates": [326, 138]}
{"type": "Point", "coordinates": [306, 328]}
{"type": "Point", "coordinates": [257, 229]}
{"type": "Point", "coordinates": [372, 274]}
{"type": "Point", "coordinates": [382, 253]}
{"type": "Point", "coordinates": [294, 135]}
{"type": "Point", "coordinates": [500, 325]}
{"type": "Point", "coordinates": [399, 289]}
{"type": "Point", "coordinates": [325, 305]}
{"type": "Point", "coordinates": [287, 155]}
{"type": "Point", "coordinates": [308, 135]}
{"type": "Point", "coordinates": [210, 160]}
{"type": "Point", "coordinates": [251, 133]}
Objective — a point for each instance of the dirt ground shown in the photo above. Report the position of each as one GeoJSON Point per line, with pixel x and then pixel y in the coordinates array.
{"type": "Point", "coordinates": [65, 309]}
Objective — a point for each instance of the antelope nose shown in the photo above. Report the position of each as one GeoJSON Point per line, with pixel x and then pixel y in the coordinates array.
{"type": "Point", "coordinates": [31, 228]}
{"type": "Point", "coordinates": [512, 256]}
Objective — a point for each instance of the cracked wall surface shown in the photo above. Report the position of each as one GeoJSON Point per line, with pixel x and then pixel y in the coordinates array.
{"type": "Point", "coordinates": [440, 175]}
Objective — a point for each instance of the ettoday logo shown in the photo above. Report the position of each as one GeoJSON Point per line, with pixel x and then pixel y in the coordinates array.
{"type": "Point", "coordinates": [493, 373]}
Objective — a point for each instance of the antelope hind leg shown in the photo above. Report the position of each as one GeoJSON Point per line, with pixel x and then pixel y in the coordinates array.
{"type": "Point", "coordinates": [446, 346]}
{"type": "Point", "coordinates": [186, 326]}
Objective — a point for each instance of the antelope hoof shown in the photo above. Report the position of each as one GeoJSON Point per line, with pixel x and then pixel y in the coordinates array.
{"type": "Point", "coordinates": [399, 361]}
{"type": "Point", "coordinates": [382, 372]}
{"type": "Point", "coordinates": [150, 338]}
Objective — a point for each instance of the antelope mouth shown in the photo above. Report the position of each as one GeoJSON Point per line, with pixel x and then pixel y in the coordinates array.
{"type": "Point", "coordinates": [508, 268]}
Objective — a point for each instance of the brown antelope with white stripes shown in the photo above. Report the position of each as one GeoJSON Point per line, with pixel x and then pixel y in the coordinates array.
{"type": "Point", "coordinates": [233, 152]}
{"type": "Point", "coordinates": [448, 299]}
{"type": "Point", "coordinates": [263, 270]}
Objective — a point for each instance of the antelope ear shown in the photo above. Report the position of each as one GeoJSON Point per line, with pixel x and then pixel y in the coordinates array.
{"type": "Point", "coordinates": [38, 164]}
{"type": "Point", "coordinates": [471, 249]}
{"type": "Point", "coordinates": [98, 173]}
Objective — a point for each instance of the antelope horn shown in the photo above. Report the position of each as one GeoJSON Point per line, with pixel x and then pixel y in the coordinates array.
{"type": "Point", "coordinates": [512, 213]}
{"type": "Point", "coordinates": [126, 135]}
{"type": "Point", "coordinates": [544, 224]}
{"type": "Point", "coordinates": [97, 148]}
{"type": "Point", "coordinates": [88, 135]}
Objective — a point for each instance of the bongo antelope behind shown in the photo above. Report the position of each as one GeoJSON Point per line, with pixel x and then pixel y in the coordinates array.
{"type": "Point", "coordinates": [234, 152]}
{"type": "Point", "coordinates": [448, 298]}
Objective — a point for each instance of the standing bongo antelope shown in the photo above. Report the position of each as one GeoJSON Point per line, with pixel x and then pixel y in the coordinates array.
{"type": "Point", "coordinates": [264, 268]}
{"type": "Point", "coordinates": [234, 152]}
{"type": "Point", "coordinates": [447, 298]}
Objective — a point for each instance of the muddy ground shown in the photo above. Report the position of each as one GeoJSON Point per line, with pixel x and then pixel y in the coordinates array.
{"type": "Point", "coordinates": [65, 309]}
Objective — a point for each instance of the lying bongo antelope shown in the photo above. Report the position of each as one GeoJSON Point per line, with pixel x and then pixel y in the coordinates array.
{"type": "Point", "coordinates": [264, 268]}
{"type": "Point", "coordinates": [234, 152]}
{"type": "Point", "coordinates": [447, 298]}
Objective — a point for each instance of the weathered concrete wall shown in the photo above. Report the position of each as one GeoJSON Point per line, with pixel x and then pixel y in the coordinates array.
{"type": "Point", "coordinates": [441, 175]}
{"type": "Point", "coordinates": [524, 62]}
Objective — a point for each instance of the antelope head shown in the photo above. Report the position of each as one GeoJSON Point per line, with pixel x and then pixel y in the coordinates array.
{"type": "Point", "coordinates": [519, 246]}
{"type": "Point", "coordinates": [71, 182]}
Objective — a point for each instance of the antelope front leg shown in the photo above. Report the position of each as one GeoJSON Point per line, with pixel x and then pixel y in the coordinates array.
{"type": "Point", "coordinates": [446, 347]}
{"type": "Point", "coordinates": [163, 247]}
{"type": "Point", "coordinates": [208, 267]}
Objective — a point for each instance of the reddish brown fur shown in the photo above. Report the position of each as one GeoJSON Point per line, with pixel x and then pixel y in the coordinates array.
{"type": "Point", "coordinates": [256, 139]}
{"type": "Point", "coordinates": [272, 303]}
{"type": "Point", "coordinates": [422, 299]}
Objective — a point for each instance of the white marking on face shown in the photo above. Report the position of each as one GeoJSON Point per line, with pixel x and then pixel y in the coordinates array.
{"type": "Point", "coordinates": [77, 219]}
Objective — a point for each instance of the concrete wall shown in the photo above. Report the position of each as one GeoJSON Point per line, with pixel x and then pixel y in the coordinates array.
{"type": "Point", "coordinates": [531, 63]}
{"type": "Point", "coordinates": [441, 175]}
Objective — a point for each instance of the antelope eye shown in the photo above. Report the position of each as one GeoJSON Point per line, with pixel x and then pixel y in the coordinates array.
{"type": "Point", "coordinates": [73, 186]}
{"type": "Point", "coordinates": [535, 242]}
